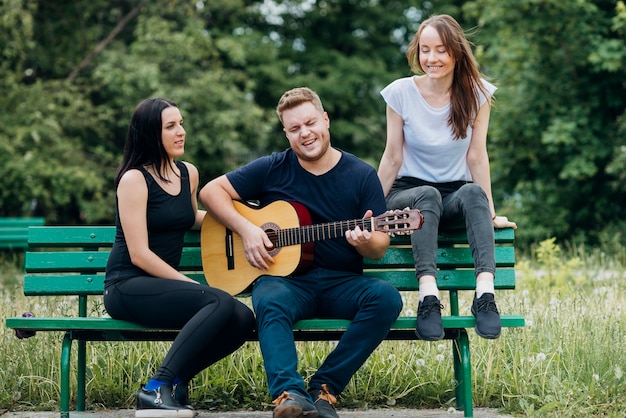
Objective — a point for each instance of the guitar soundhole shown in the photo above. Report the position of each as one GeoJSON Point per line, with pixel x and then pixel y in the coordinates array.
{"type": "Point", "coordinates": [271, 229]}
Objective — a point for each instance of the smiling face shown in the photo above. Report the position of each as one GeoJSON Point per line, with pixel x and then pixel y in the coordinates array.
{"type": "Point", "coordinates": [306, 128]}
{"type": "Point", "coordinates": [435, 59]}
{"type": "Point", "coordinates": [172, 132]}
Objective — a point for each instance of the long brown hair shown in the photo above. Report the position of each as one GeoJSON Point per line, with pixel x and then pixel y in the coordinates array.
{"type": "Point", "coordinates": [464, 94]}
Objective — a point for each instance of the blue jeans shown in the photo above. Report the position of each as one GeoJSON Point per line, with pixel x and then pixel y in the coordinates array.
{"type": "Point", "coordinates": [372, 305]}
{"type": "Point", "coordinates": [467, 205]}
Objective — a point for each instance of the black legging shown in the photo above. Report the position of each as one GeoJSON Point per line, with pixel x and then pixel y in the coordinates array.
{"type": "Point", "coordinates": [212, 323]}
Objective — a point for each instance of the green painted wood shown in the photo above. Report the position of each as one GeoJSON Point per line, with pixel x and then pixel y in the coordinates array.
{"type": "Point", "coordinates": [405, 280]}
{"type": "Point", "coordinates": [21, 222]}
{"type": "Point", "coordinates": [73, 284]}
{"type": "Point", "coordinates": [14, 232]}
{"type": "Point", "coordinates": [459, 236]}
{"type": "Point", "coordinates": [84, 236]}
{"type": "Point", "coordinates": [109, 324]}
{"type": "Point", "coordinates": [92, 261]}
{"type": "Point", "coordinates": [95, 261]}
{"type": "Point", "coordinates": [447, 257]}
{"type": "Point", "coordinates": [93, 284]}
{"type": "Point", "coordinates": [56, 236]}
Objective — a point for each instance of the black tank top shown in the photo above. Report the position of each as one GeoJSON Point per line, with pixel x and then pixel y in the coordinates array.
{"type": "Point", "coordinates": [168, 218]}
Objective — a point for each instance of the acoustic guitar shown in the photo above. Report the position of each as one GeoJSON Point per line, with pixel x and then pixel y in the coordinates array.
{"type": "Point", "coordinates": [288, 226]}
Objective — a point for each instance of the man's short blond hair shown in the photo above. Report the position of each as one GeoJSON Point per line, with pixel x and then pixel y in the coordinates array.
{"type": "Point", "coordinates": [295, 97]}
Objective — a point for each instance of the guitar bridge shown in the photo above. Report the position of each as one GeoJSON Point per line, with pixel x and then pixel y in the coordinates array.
{"type": "Point", "coordinates": [230, 249]}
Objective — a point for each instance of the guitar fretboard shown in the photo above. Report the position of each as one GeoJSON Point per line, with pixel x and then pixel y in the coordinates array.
{"type": "Point", "coordinates": [318, 232]}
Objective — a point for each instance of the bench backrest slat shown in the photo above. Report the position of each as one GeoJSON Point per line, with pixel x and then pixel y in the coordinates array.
{"type": "Point", "coordinates": [83, 236]}
{"type": "Point", "coordinates": [72, 260]}
{"type": "Point", "coordinates": [73, 284]}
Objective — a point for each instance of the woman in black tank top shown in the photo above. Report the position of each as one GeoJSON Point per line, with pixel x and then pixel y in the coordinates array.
{"type": "Point", "coordinates": [156, 205]}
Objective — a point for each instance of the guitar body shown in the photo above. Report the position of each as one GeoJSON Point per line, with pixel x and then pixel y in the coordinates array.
{"type": "Point", "coordinates": [224, 260]}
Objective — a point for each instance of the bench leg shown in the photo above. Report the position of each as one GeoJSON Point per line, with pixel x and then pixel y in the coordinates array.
{"type": "Point", "coordinates": [81, 370]}
{"type": "Point", "coordinates": [463, 373]}
{"type": "Point", "coordinates": [65, 375]}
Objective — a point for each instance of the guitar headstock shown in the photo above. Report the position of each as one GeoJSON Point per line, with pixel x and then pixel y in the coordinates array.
{"type": "Point", "coordinates": [399, 221]}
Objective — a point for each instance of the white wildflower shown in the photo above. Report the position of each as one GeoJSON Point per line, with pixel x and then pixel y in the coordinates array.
{"type": "Point", "coordinates": [439, 357]}
{"type": "Point", "coordinates": [421, 362]}
{"type": "Point", "coordinates": [618, 372]}
{"type": "Point", "coordinates": [410, 312]}
{"type": "Point", "coordinates": [541, 357]}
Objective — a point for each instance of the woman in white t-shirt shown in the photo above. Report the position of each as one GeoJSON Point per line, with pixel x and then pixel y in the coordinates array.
{"type": "Point", "coordinates": [436, 160]}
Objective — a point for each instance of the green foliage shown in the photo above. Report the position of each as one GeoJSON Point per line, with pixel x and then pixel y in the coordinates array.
{"type": "Point", "coordinates": [72, 72]}
{"type": "Point", "coordinates": [555, 130]}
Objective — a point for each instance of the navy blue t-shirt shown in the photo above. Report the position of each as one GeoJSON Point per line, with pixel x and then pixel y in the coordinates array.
{"type": "Point", "coordinates": [345, 192]}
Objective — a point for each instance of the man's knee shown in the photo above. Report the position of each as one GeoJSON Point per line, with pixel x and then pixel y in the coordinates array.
{"type": "Point", "coordinates": [270, 294]}
{"type": "Point", "coordinates": [388, 298]}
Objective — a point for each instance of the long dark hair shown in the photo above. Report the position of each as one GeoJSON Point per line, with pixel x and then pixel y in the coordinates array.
{"type": "Point", "coordinates": [464, 97]}
{"type": "Point", "coordinates": [144, 145]}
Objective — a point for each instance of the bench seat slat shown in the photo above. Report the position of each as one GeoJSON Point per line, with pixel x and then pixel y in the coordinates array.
{"type": "Point", "coordinates": [109, 324]}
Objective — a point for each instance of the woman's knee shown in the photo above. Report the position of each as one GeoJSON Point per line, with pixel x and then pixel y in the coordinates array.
{"type": "Point", "coordinates": [423, 198]}
{"type": "Point", "coordinates": [472, 192]}
{"type": "Point", "coordinates": [244, 317]}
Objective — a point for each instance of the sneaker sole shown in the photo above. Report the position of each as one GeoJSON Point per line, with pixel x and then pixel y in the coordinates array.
{"type": "Point", "coordinates": [288, 412]}
{"type": "Point", "coordinates": [164, 413]}
{"type": "Point", "coordinates": [487, 336]}
{"type": "Point", "coordinates": [443, 334]}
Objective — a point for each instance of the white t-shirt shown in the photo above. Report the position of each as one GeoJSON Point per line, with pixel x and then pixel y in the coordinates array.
{"type": "Point", "coordinates": [430, 151]}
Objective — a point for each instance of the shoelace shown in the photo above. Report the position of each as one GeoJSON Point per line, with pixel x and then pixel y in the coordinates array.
{"type": "Point", "coordinates": [426, 309]}
{"type": "Point", "coordinates": [326, 395]}
{"type": "Point", "coordinates": [158, 400]}
{"type": "Point", "coordinates": [282, 398]}
{"type": "Point", "coordinates": [486, 306]}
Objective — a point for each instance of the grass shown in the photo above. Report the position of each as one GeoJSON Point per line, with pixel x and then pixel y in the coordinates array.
{"type": "Point", "coordinates": [568, 361]}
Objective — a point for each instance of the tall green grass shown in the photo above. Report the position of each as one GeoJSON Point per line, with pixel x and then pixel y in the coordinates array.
{"type": "Point", "coordinates": [569, 361]}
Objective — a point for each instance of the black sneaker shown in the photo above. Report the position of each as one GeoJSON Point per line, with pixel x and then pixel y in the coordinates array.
{"type": "Point", "coordinates": [181, 395]}
{"type": "Point", "coordinates": [160, 403]}
{"type": "Point", "coordinates": [290, 405]}
{"type": "Point", "coordinates": [488, 323]}
{"type": "Point", "coordinates": [429, 326]}
{"type": "Point", "coordinates": [324, 401]}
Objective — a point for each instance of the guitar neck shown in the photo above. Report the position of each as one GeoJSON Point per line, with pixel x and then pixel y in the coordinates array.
{"type": "Point", "coordinates": [318, 232]}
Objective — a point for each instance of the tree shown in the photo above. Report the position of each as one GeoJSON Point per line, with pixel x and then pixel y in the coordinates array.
{"type": "Point", "coordinates": [555, 131]}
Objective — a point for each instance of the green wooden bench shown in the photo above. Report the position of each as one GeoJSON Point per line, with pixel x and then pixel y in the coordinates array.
{"type": "Point", "coordinates": [14, 232]}
{"type": "Point", "coordinates": [71, 261]}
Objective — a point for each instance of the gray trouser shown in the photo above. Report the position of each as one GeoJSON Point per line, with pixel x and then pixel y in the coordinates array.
{"type": "Point", "coordinates": [444, 207]}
